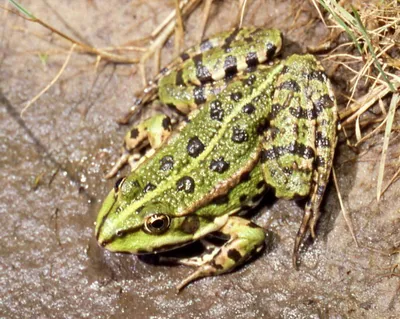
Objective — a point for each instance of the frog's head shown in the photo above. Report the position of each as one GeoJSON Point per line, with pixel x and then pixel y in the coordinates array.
{"type": "Point", "coordinates": [128, 223]}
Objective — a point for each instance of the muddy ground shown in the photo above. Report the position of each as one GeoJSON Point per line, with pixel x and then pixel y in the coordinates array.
{"type": "Point", "coordinates": [53, 160]}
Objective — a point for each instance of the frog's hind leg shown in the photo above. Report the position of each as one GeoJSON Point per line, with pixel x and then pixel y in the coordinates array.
{"type": "Point", "coordinates": [154, 131]}
{"type": "Point", "coordinates": [299, 144]}
{"type": "Point", "coordinates": [245, 240]}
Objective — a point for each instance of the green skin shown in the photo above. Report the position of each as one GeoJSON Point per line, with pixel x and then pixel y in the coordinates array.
{"type": "Point", "coordinates": [249, 129]}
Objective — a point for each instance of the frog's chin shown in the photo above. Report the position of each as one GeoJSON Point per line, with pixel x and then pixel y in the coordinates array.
{"type": "Point", "coordinates": [135, 245]}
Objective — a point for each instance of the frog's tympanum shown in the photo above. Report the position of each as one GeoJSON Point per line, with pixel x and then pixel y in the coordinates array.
{"type": "Point", "coordinates": [253, 122]}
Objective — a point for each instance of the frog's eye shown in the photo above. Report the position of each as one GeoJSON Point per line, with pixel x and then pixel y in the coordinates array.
{"type": "Point", "coordinates": [157, 223]}
{"type": "Point", "coordinates": [119, 183]}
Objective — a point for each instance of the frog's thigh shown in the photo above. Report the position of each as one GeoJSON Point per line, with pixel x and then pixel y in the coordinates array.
{"type": "Point", "coordinates": [246, 239]}
{"type": "Point", "coordinates": [299, 144]}
{"type": "Point", "coordinates": [186, 98]}
{"type": "Point", "coordinates": [153, 131]}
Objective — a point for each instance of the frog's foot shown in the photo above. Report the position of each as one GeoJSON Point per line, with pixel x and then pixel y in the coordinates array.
{"type": "Point", "coordinates": [246, 239]}
{"type": "Point", "coordinates": [149, 94]}
{"type": "Point", "coordinates": [299, 143]}
{"type": "Point", "coordinates": [208, 255]}
{"type": "Point", "coordinates": [154, 131]}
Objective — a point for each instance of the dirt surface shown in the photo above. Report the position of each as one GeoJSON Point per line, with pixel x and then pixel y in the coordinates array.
{"type": "Point", "coordinates": [53, 160]}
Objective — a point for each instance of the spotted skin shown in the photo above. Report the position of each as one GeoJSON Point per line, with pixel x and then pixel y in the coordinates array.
{"type": "Point", "coordinates": [225, 54]}
{"type": "Point", "coordinates": [213, 62]}
{"type": "Point", "coordinates": [272, 126]}
{"type": "Point", "coordinates": [196, 76]}
{"type": "Point", "coordinates": [303, 125]}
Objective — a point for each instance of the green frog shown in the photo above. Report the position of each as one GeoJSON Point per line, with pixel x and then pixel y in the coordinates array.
{"type": "Point", "coordinates": [252, 123]}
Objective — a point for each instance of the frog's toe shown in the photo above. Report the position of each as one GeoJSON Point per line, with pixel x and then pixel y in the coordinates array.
{"type": "Point", "coordinates": [121, 162]}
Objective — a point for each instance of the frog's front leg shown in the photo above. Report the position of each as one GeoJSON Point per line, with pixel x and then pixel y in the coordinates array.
{"type": "Point", "coordinates": [154, 131]}
{"type": "Point", "coordinates": [300, 141]}
{"type": "Point", "coordinates": [245, 239]}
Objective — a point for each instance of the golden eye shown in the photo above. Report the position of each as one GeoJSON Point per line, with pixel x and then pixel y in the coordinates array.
{"type": "Point", "coordinates": [157, 223]}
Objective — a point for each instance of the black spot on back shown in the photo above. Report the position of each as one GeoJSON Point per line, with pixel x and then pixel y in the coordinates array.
{"type": "Point", "coordinates": [250, 80]}
{"type": "Point", "coordinates": [245, 177]}
{"type": "Point", "coordinates": [221, 200]}
{"type": "Point", "coordinates": [239, 135]}
{"type": "Point", "coordinates": [166, 163]}
{"type": "Point", "coordinates": [198, 94]}
{"type": "Point", "coordinates": [236, 96]}
{"type": "Point", "coordinates": [216, 110]}
{"type": "Point", "coordinates": [186, 184]}
{"type": "Point", "coordinates": [149, 187]}
{"type": "Point", "coordinates": [219, 165]}
{"type": "Point", "coordinates": [195, 147]}
{"type": "Point", "coordinates": [248, 108]}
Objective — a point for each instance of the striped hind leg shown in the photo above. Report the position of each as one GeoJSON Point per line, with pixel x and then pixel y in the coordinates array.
{"type": "Point", "coordinates": [299, 143]}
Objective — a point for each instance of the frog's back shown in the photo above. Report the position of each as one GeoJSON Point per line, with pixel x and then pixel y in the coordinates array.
{"type": "Point", "coordinates": [214, 151]}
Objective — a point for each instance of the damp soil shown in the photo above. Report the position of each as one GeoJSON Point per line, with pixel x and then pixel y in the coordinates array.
{"type": "Point", "coordinates": [54, 157]}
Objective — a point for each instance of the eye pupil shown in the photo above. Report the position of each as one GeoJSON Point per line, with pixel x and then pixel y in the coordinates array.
{"type": "Point", "coordinates": [157, 224]}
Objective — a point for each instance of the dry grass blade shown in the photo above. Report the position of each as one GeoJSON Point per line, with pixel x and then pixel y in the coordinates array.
{"type": "Point", "coordinates": [186, 7]}
{"type": "Point", "coordinates": [392, 180]}
{"type": "Point", "coordinates": [377, 129]}
{"type": "Point", "coordinates": [86, 48]}
{"type": "Point", "coordinates": [48, 86]}
{"type": "Point", "coordinates": [374, 45]}
{"type": "Point", "coordinates": [179, 32]}
{"type": "Point", "coordinates": [363, 104]}
{"type": "Point", "coordinates": [319, 12]}
{"type": "Point", "coordinates": [346, 215]}
{"type": "Point", "coordinates": [242, 11]}
{"type": "Point", "coordinates": [371, 48]}
{"type": "Point", "coordinates": [206, 14]}
{"type": "Point", "coordinates": [393, 105]}
{"type": "Point", "coordinates": [333, 8]}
